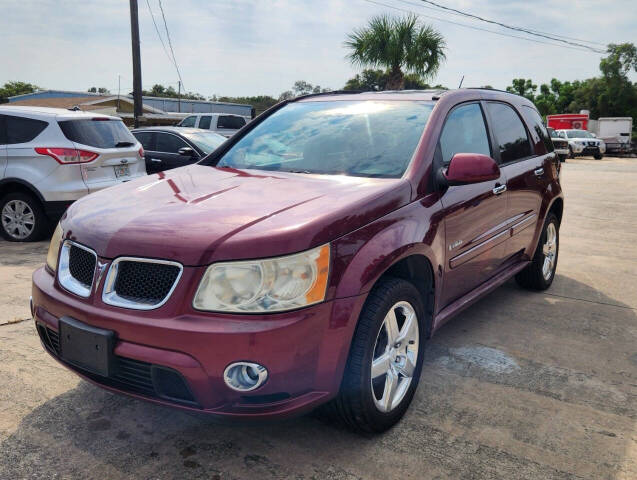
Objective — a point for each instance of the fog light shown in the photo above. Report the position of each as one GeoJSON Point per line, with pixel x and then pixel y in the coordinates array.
{"type": "Point", "coordinates": [245, 376]}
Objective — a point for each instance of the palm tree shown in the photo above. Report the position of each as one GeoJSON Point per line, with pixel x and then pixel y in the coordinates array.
{"type": "Point", "coordinates": [398, 44]}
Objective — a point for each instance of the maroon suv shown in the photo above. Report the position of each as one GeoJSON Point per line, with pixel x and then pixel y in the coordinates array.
{"type": "Point", "coordinates": [309, 258]}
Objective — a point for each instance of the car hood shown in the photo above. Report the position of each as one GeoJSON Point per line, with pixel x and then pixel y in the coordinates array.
{"type": "Point", "coordinates": [584, 139]}
{"type": "Point", "coordinates": [199, 214]}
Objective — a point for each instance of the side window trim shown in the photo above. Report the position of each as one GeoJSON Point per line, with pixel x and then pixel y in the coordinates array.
{"type": "Point", "coordinates": [478, 102]}
{"type": "Point", "coordinates": [495, 136]}
{"type": "Point", "coordinates": [3, 130]}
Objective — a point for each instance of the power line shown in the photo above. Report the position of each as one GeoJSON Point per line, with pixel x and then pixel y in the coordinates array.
{"type": "Point", "coordinates": [170, 43]}
{"type": "Point", "coordinates": [517, 29]}
{"type": "Point", "coordinates": [157, 30]}
{"type": "Point", "coordinates": [473, 27]}
{"type": "Point", "coordinates": [439, 10]}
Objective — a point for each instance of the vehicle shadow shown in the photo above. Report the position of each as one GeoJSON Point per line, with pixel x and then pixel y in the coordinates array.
{"type": "Point", "coordinates": [521, 385]}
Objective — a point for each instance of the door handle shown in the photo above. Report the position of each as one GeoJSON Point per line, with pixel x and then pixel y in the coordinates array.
{"type": "Point", "coordinates": [156, 160]}
{"type": "Point", "coordinates": [539, 171]}
{"type": "Point", "coordinates": [499, 189]}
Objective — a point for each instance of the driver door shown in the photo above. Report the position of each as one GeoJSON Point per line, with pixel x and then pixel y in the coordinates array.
{"type": "Point", "coordinates": [475, 215]}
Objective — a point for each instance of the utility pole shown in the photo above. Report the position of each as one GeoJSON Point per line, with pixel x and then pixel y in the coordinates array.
{"type": "Point", "coordinates": [119, 88]}
{"type": "Point", "coordinates": [178, 96]}
{"type": "Point", "coordinates": [137, 66]}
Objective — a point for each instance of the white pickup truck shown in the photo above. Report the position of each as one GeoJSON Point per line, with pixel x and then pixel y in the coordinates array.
{"type": "Point", "coordinates": [222, 123]}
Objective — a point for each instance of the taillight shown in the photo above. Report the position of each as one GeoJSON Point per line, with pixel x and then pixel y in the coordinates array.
{"type": "Point", "coordinates": [66, 156]}
{"type": "Point", "coordinates": [141, 152]}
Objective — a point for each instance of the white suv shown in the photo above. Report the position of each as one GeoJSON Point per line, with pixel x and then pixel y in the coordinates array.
{"type": "Point", "coordinates": [50, 157]}
{"type": "Point", "coordinates": [222, 123]}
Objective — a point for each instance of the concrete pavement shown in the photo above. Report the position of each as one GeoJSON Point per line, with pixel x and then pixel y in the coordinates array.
{"type": "Point", "coordinates": [522, 385]}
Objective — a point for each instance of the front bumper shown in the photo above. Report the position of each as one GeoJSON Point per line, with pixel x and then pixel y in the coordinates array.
{"type": "Point", "coordinates": [304, 351]}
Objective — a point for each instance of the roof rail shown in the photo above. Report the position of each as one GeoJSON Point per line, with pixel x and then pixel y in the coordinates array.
{"type": "Point", "coordinates": [490, 89]}
{"type": "Point", "coordinates": [333, 92]}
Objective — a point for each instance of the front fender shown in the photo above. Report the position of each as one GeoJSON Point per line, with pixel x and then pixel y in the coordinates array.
{"type": "Point", "coordinates": [362, 256]}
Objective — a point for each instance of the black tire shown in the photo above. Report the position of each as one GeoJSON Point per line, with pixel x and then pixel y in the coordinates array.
{"type": "Point", "coordinates": [355, 404]}
{"type": "Point", "coordinates": [563, 158]}
{"type": "Point", "coordinates": [570, 152]}
{"type": "Point", "coordinates": [532, 277]}
{"type": "Point", "coordinates": [598, 156]}
{"type": "Point", "coordinates": [40, 220]}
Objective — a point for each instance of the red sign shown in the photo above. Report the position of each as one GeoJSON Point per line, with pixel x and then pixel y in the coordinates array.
{"type": "Point", "coordinates": [568, 121]}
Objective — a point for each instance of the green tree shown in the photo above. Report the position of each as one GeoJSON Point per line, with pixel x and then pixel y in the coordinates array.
{"type": "Point", "coordinates": [370, 80]}
{"type": "Point", "coordinates": [102, 90]}
{"type": "Point", "coordinates": [169, 92]}
{"type": "Point", "coordinates": [260, 102]}
{"type": "Point", "coordinates": [523, 87]}
{"type": "Point", "coordinates": [11, 89]}
{"type": "Point", "coordinates": [399, 45]}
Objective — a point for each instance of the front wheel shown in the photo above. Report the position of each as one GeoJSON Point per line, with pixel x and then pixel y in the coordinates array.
{"type": "Point", "coordinates": [598, 156]}
{"type": "Point", "coordinates": [385, 359]}
{"type": "Point", "coordinates": [541, 271]}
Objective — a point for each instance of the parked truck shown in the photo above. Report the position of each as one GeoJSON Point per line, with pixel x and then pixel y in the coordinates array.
{"type": "Point", "coordinates": [614, 131]}
{"type": "Point", "coordinates": [568, 121]}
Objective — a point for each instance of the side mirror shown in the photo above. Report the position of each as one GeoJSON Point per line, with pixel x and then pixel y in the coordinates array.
{"type": "Point", "coordinates": [466, 168]}
{"type": "Point", "coordinates": [186, 152]}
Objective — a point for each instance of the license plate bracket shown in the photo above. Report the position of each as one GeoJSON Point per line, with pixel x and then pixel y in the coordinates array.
{"type": "Point", "coordinates": [86, 347]}
{"type": "Point", "coordinates": [122, 171]}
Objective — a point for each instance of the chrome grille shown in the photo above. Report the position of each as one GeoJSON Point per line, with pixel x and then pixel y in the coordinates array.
{"type": "Point", "coordinates": [76, 268]}
{"type": "Point", "coordinates": [82, 265]}
{"type": "Point", "coordinates": [140, 283]}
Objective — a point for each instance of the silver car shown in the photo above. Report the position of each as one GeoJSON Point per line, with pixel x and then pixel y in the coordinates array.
{"type": "Point", "coordinates": [50, 157]}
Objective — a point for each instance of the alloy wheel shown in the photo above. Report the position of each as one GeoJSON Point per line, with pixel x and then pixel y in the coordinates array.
{"type": "Point", "coordinates": [549, 249]}
{"type": "Point", "coordinates": [18, 219]}
{"type": "Point", "coordinates": [395, 356]}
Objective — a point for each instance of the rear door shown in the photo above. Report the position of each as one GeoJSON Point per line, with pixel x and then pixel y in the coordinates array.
{"type": "Point", "coordinates": [476, 214]}
{"type": "Point", "coordinates": [527, 164]}
{"type": "Point", "coordinates": [147, 139]}
{"type": "Point", "coordinates": [118, 152]}
{"type": "Point", "coordinates": [165, 154]}
{"type": "Point", "coordinates": [228, 125]}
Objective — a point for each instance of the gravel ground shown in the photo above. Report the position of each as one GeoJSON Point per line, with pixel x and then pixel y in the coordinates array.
{"type": "Point", "coordinates": [521, 386]}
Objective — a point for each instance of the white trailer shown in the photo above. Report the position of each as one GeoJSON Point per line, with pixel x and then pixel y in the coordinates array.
{"type": "Point", "coordinates": [615, 131]}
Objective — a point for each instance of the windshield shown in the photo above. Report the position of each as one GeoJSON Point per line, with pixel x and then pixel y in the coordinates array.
{"type": "Point", "coordinates": [206, 141]}
{"type": "Point", "coordinates": [553, 133]}
{"type": "Point", "coordinates": [578, 134]}
{"type": "Point", "coordinates": [358, 138]}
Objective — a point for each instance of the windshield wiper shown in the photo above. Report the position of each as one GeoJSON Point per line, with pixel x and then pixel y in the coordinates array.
{"type": "Point", "coordinates": [298, 171]}
{"type": "Point", "coordinates": [124, 144]}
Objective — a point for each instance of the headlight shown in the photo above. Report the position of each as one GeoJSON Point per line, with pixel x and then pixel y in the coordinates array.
{"type": "Point", "coordinates": [270, 285]}
{"type": "Point", "coordinates": [54, 248]}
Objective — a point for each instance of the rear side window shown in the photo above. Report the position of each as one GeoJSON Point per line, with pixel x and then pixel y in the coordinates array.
{"type": "Point", "coordinates": [227, 121]}
{"type": "Point", "coordinates": [22, 130]}
{"type": "Point", "coordinates": [98, 133]}
{"type": "Point", "coordinates": [539, 132]}
{"type": "Point", "coordinates": [169, 143]}
{"type": "Point", "coordinates": [188, 121]}
{"type": "Point", "coordinates": [464, 132]}
{"type": "Point", "coordinates": [204, 122]}
{"type": "Point", "coordinates": [145, 138]}
{"type": "Point", "coordinates": [510, 133]}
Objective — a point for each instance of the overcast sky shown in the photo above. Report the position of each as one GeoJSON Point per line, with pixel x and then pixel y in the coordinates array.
{"type": "Point", "coordinates": [251, 47]}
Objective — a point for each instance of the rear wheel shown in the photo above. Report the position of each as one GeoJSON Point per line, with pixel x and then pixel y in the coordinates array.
{"type": "Point", "coordinates": [598, 156]}
{"type": "Point", "coordinates": [22, 218]}
{"type": "Point", "coordinates": [385, 358]}
{"type": "Point", "coordinates": [570, 153]}
{"type": "Point", "coordinates": [541, 271]}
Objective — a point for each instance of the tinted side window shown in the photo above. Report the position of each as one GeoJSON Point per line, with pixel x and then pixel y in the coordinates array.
{"type": "Point", "coordinates": [227, 121]}
{"type": "Point", "coordinates": [189, 121]}
{"type": "Point", "coordinates": [21, 130]}
{"type": "Point", "coordinates": [3, 131]}
{"type": "Point", "coordinates": [97, 133]}
{"type": "Point", "coordinates": [539, 132]}
{"type": "Point", "coordinates": [510, 133]}
{"type": "Point", "coordinates": [169, 143]}
{"type": "Point", "coordinates": [464, 132]}
{"type": "Point", "coordinates": [204, 122]}
{"type": "Point", "coordinates": [145, 138]}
